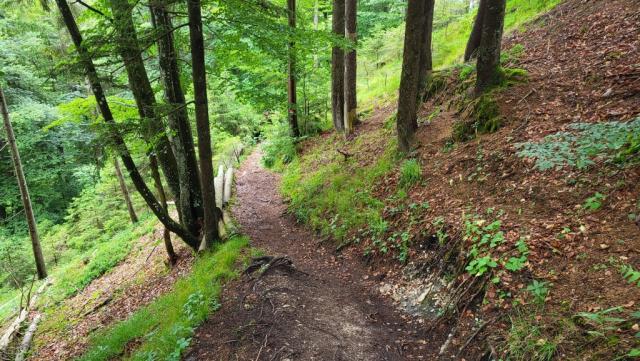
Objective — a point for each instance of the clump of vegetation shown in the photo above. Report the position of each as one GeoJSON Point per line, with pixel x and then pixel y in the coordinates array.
{"type": "Point", "coordinates": [280, 147]}
{"type": "Point", "coordinates": [410, 173]}
{"type": "Point", "coordinates": [165, 327]}
{"type": "Point", "coordinates": [527, 340]}
{"type": "Point", "coordinates": [481, 115]}
{"type": "Point", "coordinates": [585, 144]}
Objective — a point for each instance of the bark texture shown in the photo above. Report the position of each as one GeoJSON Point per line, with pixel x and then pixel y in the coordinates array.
{"type": "Point", "coordinates": [129, 49]}
{"type": "Point", "coordinates": [407, 121]}
{"type": "Point", "coordinates": [24, 190]}
{"type": "Point", "coordinates": [426, 58]}
{"type": "Point", "coordinates": [291, 84]}
{"type": "Point", "coordinates": [166, 235]}
{"type": "Point", "coordinates": [337, 67]}
{"type": "Point", "coordinates": [120, 145]}
{"type": "Point", "coordinates": [190, 203]}
{"type": "Point", "coordinates": [490, 45]}
{"type": "Point", "coordinates": [350, 66]}
{"type": "Point", "coordinates": [125, 191]}
{"type": "Point", "coordinates": [199, 73]}
{"type": "Point", "coordinates": [476, 33]}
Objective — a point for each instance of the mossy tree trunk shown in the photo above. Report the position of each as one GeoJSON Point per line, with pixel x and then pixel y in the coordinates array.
{"type": "Point", "coordinates": [407, 122]}
{"type": "Point", "coordinates": [488, 66]}
{"type": "Point", "coordinates": [190, 201]}
{"type": "Point", "coordinates": [120, 145]}
{"type": "Point", "coordinates": [199, 74]}
{"type": "Point", "coordinates": [337, 67]}
{"type": "Point", "coordinates": [350, 66]}
{"type": "Point", "coordinates": [476, 33]}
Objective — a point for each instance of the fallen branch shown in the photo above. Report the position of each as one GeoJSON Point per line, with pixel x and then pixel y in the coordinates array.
{"type": "Point", "coordinates": [28, 337]}
{"type": "Point", "coordinates": [12, 330]}
{"type": "Point", "coordinates": [473, 336]}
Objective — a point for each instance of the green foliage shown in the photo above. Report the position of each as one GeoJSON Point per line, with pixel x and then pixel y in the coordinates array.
{"type": "Point", "coordinates": [165, 326]}
{"type": "Point", "coordinates": [280, 147]}
{"type": "Point", "coordinates": [410, 173]}
{"type": "Point", "coordinates": [583, 145]}
{"type": "Point", "coordinates": [527, 342]}
{"type": "Point", "coordinates": [332, 195]}
{"type": "Point", "coordinates": [594, 202]}
{"type": "Point", "coordinates": [539, 290]}
{"type": "Point", "coordinates": [630, 274]}
{"type": "Point", "coordinates": [484, 255]}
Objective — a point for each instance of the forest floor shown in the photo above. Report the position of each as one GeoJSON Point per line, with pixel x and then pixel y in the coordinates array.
{"type": "Point", "coordinates": [133, 283]}
{"type": "Point", "coordinates": [323, 307]}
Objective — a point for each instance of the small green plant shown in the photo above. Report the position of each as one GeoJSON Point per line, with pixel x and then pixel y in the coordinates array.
{"type": "Point", "coordinates": [601, 322]}
{"type": "Point", "coordinates": [410, 173]}
{"type": "Point", "coordinates": [630, 274]}
{"type": "Point", "coordinates": [539, 290]}
{"type": "Point", "coordinates": [441, 233]}
{"type": "Point", "coordinates": [515, 264]}
{"type": "Point", "coordinates": [594, 202]}
{"type": "Point", "coordinates": [528, 341]}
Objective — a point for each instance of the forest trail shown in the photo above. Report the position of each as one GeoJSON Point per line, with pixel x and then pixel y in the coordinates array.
{"type": "Point", "coordinates": [325, 309]}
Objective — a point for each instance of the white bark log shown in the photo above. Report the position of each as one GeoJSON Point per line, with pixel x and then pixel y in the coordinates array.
{"type": "Point", "coordinates": [228, 182]}
{"type": "Point", "coordinates": [28, 336]}
{"type": "Point", "coordinates": [218, 183]}
{"type": "Point", "coordinates": [13, 329]}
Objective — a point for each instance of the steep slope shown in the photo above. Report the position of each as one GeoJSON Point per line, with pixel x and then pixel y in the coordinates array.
{"type": "Point", "coordinates": [504, 257]}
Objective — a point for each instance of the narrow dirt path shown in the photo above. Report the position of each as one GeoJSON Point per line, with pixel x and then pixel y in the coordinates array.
{"type": "Point", "coordinates": [325, 309]}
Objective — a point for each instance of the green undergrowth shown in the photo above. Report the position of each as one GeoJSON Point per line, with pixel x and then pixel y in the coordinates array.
{"type": "Point", "coordinates": [334, 195]}
{"type": "Point", "coordinates": [380, 56]}
{"type": "Point", "coordinates": [163, 329]}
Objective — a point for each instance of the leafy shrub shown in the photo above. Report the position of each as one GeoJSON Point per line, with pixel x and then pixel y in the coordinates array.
{"type": "Point", "coordinates": [280, 148]}
{"type": "Point", "coordinates": [410, 173]}
{"type": "Point", "coordinates": [584, 144]}
{"type": "Point", "coordinates": [594, 202]}
{"type": "Point", "coordinates": [539, 290]}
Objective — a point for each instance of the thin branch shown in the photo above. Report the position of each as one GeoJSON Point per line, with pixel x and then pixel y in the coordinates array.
{"type": "Point", "coordinates": [93, 9]}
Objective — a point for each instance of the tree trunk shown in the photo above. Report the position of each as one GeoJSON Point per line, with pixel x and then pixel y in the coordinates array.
{"type": "Point", "coordinates": [199, 73]}
{"type": "Point", "coordinates": [129, 49]}
{"type": "Point", "coordinates": [407, 122]}
{"type": "Point", "coordinates": [476, 33]}
{"type": "Point", "coordinates": [490, 45]}
{"type": "Point", "coordinates": [291, 88]}
{"type": "Point", "coordinates": [337, 67]}
{"type": "Point", "coordinates": [190, 202]}
{"type": "Point", "coordinates": [155, 173]}
{"type": "Point", "coordinates": [24, 190]}
{"type": "Point", "coordinates": [350, 66]}
{"type": "Point", "coordinates": [120, 145]}
{"type": "Point", "coordinates": [426, 58]}
{"type": "Point", "coordinates": [125, 191]}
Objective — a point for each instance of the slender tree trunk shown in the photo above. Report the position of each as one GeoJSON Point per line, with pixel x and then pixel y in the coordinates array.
{"type": "Point", "coordinates": [120, 145]}
{"type": "Point", "coordinates": [125, 191]}
{"type": "Point", "coordinates": [476, 32]}
{"type": "Point", "coordinates": [211, 213]}
{"type": "Point", "coordinates": [350, 66]}
{"type": "Point", "coordinates": [190, 202]}
{"type": "Point", "coordinates": [426, 59]}
{"type": "Point", "coordinates": [407, 122]}
{"type": "Point", "coordinates": [24, 190]}
{"type": "Point", "coordinates": [490, 45]}
{"type": "Point", "coordinates": [166, 235]}
{"type": "Point", "coordinates": [291, 88]}
{"type": "Point", "coordinates": [140, 85]}
{"type": "Point", "coordinates": [316, 22]}
{"type": "Point", "coordinates": [337, 67]}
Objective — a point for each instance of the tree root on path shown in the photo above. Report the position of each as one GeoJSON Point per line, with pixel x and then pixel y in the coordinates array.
{"type": "Point", "coordinates": [267, 264]}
